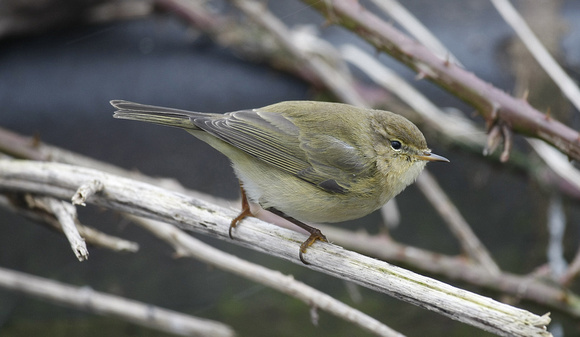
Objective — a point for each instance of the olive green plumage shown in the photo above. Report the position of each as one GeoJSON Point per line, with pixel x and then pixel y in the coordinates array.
{"type": "Point", "coordinates": [313, 161]}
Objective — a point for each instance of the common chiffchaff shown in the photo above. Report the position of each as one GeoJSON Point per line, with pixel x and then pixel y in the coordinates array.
{"type": "Point", "coordinates": [306, 161]}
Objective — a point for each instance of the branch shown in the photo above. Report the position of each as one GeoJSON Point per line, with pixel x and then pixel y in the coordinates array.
{"type": "Point", "coordinates": [573, 269]}
{"type": "Point", "coordinates": [455, 221]}
{"type": "Point", "coordinates": [457, 128]}
{"type": "Point", "coordinates": [558, 162]}
{"type": "Point", "coordinates": [414, 27]}
{"type": "Point", "coordinates": [85, 191]}
{"type": "Point", "coordinates": [434, 263]}
{"type": "Point", "coordinates": [89, 234]}
{"type": "Point", "coordinates": [457, 268]}
{"type": "Point", "coordinates": [491, 102]}
{"type": "Point", "coordinates": [121, 194]}
{"type": "Point", "coordinates": [540, 53]}
{"type": "Point", "coordinates": [335, 80]}
{"type": "Point", "coordinates": [66, 214]}
{"type": "Point", "coordinates": [22, 147]}
{"type": "Point", "coordinates": [85, 298]}
{"type": "Point", "coordinates": [186, 245]}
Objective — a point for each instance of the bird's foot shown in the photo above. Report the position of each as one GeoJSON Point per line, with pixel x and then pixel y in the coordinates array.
{"type": "Point", "coordinates": [315, 234]}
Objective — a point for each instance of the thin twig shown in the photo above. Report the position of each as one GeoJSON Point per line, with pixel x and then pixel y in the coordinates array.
{"type": "Point", "coordinates": [558, 162]}
{"type": "Point", "coordinates": [573, 270]}
{"type": "Point", "coordinates": [459, 227]}
{"type": "Point", "coordinates": [408, 21]}
{"type": "Point", "coordinates": [391, 214]}
{"type": "Point", "coordinates": [552, 68]}
{"type": "Point", "coordinates": [92, 236]}
{"type": "Point", "coordinates": [556, 226]}
{"type": "Point", "coordinates": [333, 79]}
{"type": "Point", "coordinates": [87, 299]}
{"type": "Point", "coordinates": [493, 140]}
{"type": "Point", "coordinates": [86, 191]}
{"type": "Point", "coordinates": [507, 143]}
{"type": "Point", "coordinates": [66, 214]}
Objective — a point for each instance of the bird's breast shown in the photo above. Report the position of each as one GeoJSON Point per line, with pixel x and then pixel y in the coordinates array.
{"type": "Point", "coordinates": [303, 200]}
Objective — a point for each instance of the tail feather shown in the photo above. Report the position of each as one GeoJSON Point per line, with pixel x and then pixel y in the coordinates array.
{"type": "Point", "coordinates": [154, 114]}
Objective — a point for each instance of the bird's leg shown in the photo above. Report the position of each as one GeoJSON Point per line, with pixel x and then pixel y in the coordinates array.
{"type": "Point", "coordinates": [244, 213]}
{"type": "Point", "coordinates": [315, 233]}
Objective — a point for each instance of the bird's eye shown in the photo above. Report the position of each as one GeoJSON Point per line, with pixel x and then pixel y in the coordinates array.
{"type": "Point", "coordinates": [396, 145]}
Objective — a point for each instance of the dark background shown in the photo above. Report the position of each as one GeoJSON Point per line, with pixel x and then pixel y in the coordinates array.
{"type": "Point", "coordinates": [57, 85]}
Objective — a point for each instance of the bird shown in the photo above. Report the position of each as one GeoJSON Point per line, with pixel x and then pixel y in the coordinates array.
{"type": "Point", "coordinates": [306, 161]}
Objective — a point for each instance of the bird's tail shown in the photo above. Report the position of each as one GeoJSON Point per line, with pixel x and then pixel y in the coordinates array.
{"type": "Point", "coordinates": [154, 114]}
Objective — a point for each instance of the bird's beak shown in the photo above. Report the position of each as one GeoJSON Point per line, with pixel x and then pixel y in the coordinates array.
{"type": "Point", "coordinates": [432, 157]}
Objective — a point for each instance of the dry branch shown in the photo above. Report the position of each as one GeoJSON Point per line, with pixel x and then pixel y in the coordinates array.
{"type": "Point", "coordinates": [540, 53]}
{"type": "Point", "coordinates": [456, 223]}
{"type": "Point", "coordinates": [232, 34]}
{"type": "Point", "coordinates": [85, 298]}
{"type": "Point", "coordinates": [186, 245]}
{"type": "Point", "coordinates": [412, 25]}
{"type": "Point", "coordinates": [66, 215]}
{"type": "Point", "coordinates": [22, 147]}
{"type": "Point", "coordinates": [335, 80]}
{"type": "Point", "coordinates": [91, 235]}
{"type": "Point", "coordinates": [492, 103]}
{"type": "Point", "coordinates": [493, 107]}
{"type": "Point", "coordinates": [85, 191]}
{"type": "Point", "coordinates": [452, 267]}
{"type": "Point", "coordinates": [59, 180]}
{"type": "Point", "coordinates": [459, 129]}
{"type": "Point", "coordinates": [573, 270]}
{"type": "Point", "coordinates": [458, 268]}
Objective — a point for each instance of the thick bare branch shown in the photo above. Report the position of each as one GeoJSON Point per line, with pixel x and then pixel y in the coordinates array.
{"type": "Point", "coordinates": [458, 128]}
{"type": "Point", "coordinates": [492, 103]}
{"type": "Point", "coordinates": [23, 147]}
{"type": "Point", "coordinates": [186, 245]}
{"type": "Point", "coordinates": [457, 268]}
{"type": "Point", "coordinates": [59, 180]}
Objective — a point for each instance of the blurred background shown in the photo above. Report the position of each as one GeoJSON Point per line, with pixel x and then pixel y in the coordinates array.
{"type": "Point", "coordinates": [61, 62]}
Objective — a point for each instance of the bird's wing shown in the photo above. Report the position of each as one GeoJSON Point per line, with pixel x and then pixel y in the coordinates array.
{"type": "Point", "coordinates": [318, 158]}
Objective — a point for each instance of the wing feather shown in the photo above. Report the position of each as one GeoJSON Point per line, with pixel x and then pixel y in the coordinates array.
{"type": "Point", "coordinates": [320, 159]}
